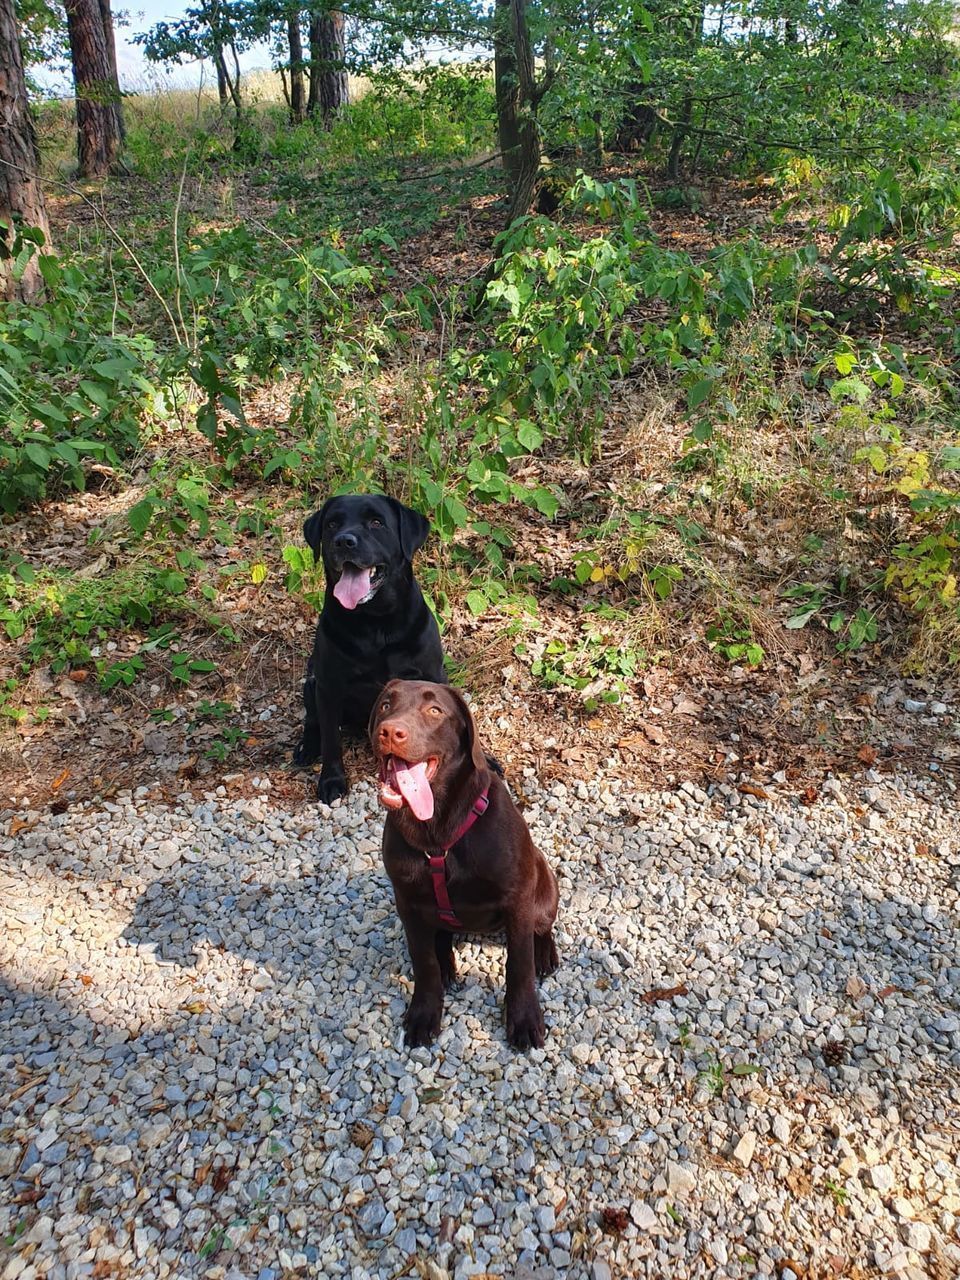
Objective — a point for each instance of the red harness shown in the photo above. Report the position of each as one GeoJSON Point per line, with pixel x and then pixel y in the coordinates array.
{"type": "Point", "coordinates": [438, 863]}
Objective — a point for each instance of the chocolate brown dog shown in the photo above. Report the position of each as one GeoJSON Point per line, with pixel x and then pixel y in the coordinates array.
{"type": "Point", "coordinates": [459, 856]}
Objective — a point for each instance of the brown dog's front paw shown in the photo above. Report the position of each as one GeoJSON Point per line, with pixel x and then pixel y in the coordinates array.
{"type": "Point", "coordinates": [525, 1026]}
{"type": "Point", "coordinates": [545, 955]}
{"type": "Point", "coordinates": [421, 1024]}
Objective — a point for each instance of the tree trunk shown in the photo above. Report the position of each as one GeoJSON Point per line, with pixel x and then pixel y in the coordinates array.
{"type": "Point", "coordinates": [518, 97]}
{"type": "Point", "coordinates": [222, 91]}
{"type": "Point", "coordinates": [682, 127]}
{"type": "Point", "coordinates": [98, 114]}
{"type": "Point", "coordinates": [110, 41]}
{"type": "Point", "coordinates": [298, 102]}
{"type": "Point", "coordinates": [21, 196]}
{"type": "Point", "coordinates": [329, 85]}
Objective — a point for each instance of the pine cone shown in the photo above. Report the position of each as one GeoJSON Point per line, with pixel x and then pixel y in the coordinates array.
{"type": "Point", "coordinates": [834, 1053]}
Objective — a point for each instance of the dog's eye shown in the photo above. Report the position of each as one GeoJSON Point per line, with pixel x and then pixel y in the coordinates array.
{"type": "Point", "coordinates": [376, 524]}
{"type": "Point", "coordinates": [435, 711]}
{"type": "Point", "coordinates": [385, 705]}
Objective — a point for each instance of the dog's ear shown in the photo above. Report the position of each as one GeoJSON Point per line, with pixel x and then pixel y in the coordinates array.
{"type": "Point", "coordinates": [412, 527]}
{"type": "Point", "coordinates": [313, 530]}
{"type": "Point", "coordinates": [476, 752]}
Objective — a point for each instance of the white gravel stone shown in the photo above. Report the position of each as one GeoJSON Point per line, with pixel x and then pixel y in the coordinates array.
{"type": "Point", "coordinates": [744, 1151]}
{"type": "Point", "coordinates": [202, 1074]}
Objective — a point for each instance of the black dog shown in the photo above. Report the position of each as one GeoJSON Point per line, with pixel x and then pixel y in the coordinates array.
{"type": "Point", "coordinates": [374, 626]}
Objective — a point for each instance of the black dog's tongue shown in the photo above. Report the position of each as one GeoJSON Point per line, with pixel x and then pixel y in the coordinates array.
{"type": "Point", "coordinates": [354, 584]}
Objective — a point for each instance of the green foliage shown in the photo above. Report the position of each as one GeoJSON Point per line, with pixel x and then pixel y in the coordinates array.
{"type": "Point", "coordinates": [71, 392]}
{"type": "Point", "coordinates": [733, 637]}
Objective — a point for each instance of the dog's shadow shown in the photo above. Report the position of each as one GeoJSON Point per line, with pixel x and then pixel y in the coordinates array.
{"type": "Point", "coordinates": [283, 924]}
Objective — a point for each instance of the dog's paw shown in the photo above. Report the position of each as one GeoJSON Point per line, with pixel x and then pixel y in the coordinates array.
{"type": "Point", "coordinates": [421, 1024]}
{"type": "Point", "coordinates": [525, 1026]}
{"type": "Point", "coordinates": [545, 955]}
{"type": "Point", "coordinates": [330, 788]}
{"type": "Point", "coordinates": [305, 753]}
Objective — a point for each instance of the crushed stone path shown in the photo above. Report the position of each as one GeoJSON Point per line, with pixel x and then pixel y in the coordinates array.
{"type": "Point", "coordinates": [752, 1067]}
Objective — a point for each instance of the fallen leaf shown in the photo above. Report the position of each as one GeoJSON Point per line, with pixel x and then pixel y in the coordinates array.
{"type": "Point", "coordinates": [615, 1219]}
{"type": "Point", "coordinates": [887, 991]}
{"type": "Point", "coordinates": [85, 979]}
{"type": "Point", "coordinates": [78, 676]}
{"type": "Point", "coordinates": [809, 794]}
{"type": "Point", "coordinates": [787, 1265]}
{"type": "Point", "coordinates": [867, 754]}
{"type": "Point", "coordinates": [856, 986]}
{"type": "Point", "coordinates": [664, 993]}
{"type": "Point", "coordinates": [19, 824]}
{"type": "Point", "coordinates": [687, 708]}
{"type": "Point", "coordinates": [59, 780]}
{"type": "Point", "coordinates": [430, 1095]}
{"type": "Point", "coordinates": [203, 1173]}
{"type": "Point", "coordinates": [751, 789]}
{"type": "Point", "coordinates": [221, 1178]}
{"type": "Point", "coordinates": [193, 1006]}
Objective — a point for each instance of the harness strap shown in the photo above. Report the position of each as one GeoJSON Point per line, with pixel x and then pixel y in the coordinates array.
{"type": "Point", "coordinates": [438, 863]}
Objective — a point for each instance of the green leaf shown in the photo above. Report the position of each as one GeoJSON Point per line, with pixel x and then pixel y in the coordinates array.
{"type": "Point", "coordinates": [139, 516]}
{"type": "Point", "coordinates": [95, 392]}
{"type": "Point", "coordinates": [799, 620]}
{"type": "Point", "coordinates": [845, 362]}
{"type": "Point", "coordinates": [699, 392]}
{"type": "Point", "coordinates": [745, 1069]}
{"type": "Point", "coordinates": [38, 455]}
{"type": "Point", "coordinates": [456, 511]}
{"type": "Point", "coordinates": [476, 603]}
{"type": "Point", "coordinates": [529, 436]}
{"type": "Point", "coordinates": [547, 503]}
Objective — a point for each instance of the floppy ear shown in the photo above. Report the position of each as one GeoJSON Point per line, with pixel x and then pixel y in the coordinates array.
{"type": "Point", "coordinates": [477, 753]}
{"type": "Point", "coordinates": [413, 528]}
{"type": "Point", "coordinates": [313, 530]}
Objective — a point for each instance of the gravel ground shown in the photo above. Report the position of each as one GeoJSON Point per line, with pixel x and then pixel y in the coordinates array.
{"type": "Point", "coordinates": [202, 1069]}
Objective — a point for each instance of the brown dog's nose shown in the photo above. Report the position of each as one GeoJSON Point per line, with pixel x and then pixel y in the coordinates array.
{"type": "Point", "coordinates": [392, 736]}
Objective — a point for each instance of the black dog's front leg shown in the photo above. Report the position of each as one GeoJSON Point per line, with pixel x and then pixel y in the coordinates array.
{"type": "Point", "coordinates": [333, 779]}
{"type": "Point", "coordinates": [310, 745]}
{"type": "Point", "coordinates": [422, 1019]}
{"type": "Point", "coordinates": [524, 1018]}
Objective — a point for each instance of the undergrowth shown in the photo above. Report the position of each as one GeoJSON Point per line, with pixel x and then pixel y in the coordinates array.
{"type": "Point", "coordinates": [802, 474]}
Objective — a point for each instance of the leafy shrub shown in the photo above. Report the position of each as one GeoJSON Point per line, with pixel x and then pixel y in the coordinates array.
{"type": "Point", "coordinates": [71, 391]}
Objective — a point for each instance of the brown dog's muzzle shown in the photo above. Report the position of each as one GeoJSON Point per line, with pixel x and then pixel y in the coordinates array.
{"type": "Point", "coordinates": [393, 739]}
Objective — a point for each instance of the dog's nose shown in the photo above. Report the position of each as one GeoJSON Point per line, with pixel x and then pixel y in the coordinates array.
{"type": "Point", "coordinates": [392, 736]}
{"type": "Point", "coordinates": [346, 541]}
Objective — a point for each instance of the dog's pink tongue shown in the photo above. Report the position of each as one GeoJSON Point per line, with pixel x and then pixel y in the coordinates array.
{"type": "Point", "coordinates": [354, 584]}
{"type": "Point", "coordinates": [413, 786]}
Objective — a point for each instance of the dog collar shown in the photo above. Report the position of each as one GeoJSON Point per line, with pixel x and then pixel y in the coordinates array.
{"type": "Point", "coordinates": [438, 862]}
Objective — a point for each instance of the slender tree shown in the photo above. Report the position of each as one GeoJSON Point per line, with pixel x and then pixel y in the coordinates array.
{"type": "Point", "coordinates": [21, 196]}
{"type": "Point", "coordinates": [329, 86]}
{"type": "Point", "coordinates": [298, 99]}
{"type": "Point", "coordinates": [110, 41]}
{"type": "Point", "coordinates": [518, 95]}
{"type": "Point", "coordinates": [98, 107]}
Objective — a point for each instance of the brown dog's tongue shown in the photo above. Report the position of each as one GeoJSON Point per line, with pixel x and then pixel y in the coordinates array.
{"type": "Point", "coordinates": [354, 584]}
{"type": "Point", "coordinates": [413, 786]}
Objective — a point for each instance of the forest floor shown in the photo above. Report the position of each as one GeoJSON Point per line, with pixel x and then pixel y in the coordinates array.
{"type": "Point", "coordinates": [689, 713]}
